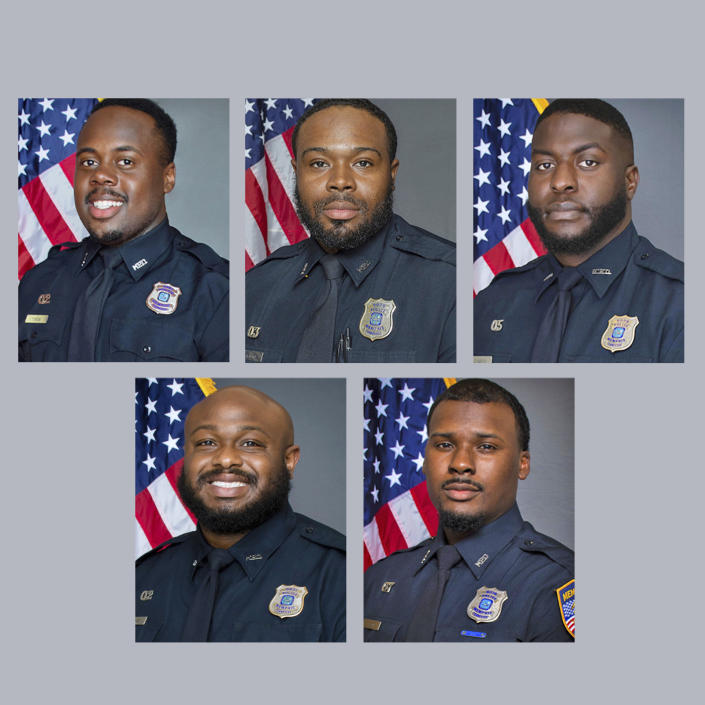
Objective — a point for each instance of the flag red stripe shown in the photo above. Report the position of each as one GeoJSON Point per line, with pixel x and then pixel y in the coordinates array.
{"type": "Point", "coordinates": [47, 213]}
{"type": "Point", "coordinates": [533, 237]}
{"type": "Point", "coordinates": [427, 511]}
{"type": "Point", "coordinates": [283, 207]}
{"type": "Point", "coordinates": [25, 260]}
{"type": "Point", "coordinates": [149, 519]}
{"type": "Point", "coordinates": [366, 558]}
{"type": "Point", "coordinates": [68, 166]}
{"type": "Point", "coordinates": [172, 474]}
{"type": "Point", "coordinates": [390, 535]}
{"type": "Point", "coordinates": [254, 199]}
{"type": "Point", "coordinates": [498, 258]}
{"type": "Point", "coordinates": [248, 262]}
{"type": "Point", "coordinates": [286, 136]}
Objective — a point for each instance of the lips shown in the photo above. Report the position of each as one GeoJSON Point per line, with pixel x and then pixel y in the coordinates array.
{"type": "Point", "coordinates": [228, 485]}
{"type": "Point", "coordinates": [461, 491]}
{"type": "Point", "coordinates": [340, 210]}
{"type": "Point", "coordinates": [104, 205]}
{"type": "Point", "coordinates": [563, 210]}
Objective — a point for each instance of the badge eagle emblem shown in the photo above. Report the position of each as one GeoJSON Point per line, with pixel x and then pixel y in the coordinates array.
{"type": "Point", "coordinates": [377, 322]}
{"type": "Point", "coordinates": [486, 606]}
{"type": "Point", "coordinates": [619, 334]}
{"type": "Point", "coordinates": [163, 298]}
{"type": "Point", "coordinates": [288, 601]}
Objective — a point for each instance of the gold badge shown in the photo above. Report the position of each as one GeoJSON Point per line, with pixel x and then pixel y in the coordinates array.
{"type": "Point", "coordinates": [487, 604]}
{"type": "Point", "coordinates": [163, 298]}
{"type": "Point", "coordinates": [619, 334]}
{"type": "Point", "coordinates": [140, 621]}
{"type": "Point", "coordinates": [376, 322]}
{"type": "Point", "coordinates": [288, 601]}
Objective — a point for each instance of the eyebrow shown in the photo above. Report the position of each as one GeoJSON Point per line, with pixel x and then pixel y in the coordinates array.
{"type": "Point", "coordinates": [577, 150]}
{"type": "Point", "coordinates": [213, 427]}
{"type": "Point", "coordinates": [477, 435]}
{"type": "Point", "coordinates": [122, 148]}
{"type": "Point", "coordinates": [324, 150]}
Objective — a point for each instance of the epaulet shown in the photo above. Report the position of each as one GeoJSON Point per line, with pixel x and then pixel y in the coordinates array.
{"type": "Point", "coordinates": [418, 241]}
{"type": "Point", "coordinates": [162, 547]}
{"type": "Point", "coordinates": [63, 246]}
{"type": "Point", "coordinates": [649, 257]}
{"type": "Point", "coordinates": [285, 252]}
{"type": "Point", "coordinates": [535, 542]}
{"type": "Point", "coordinates": [319, 533]}
{"type": "Point", "coordinates": [205, 254]}
{"type": "Point", "coordinates": [416, 547]}
{"type": "Point", "coordinates": [529, 266]}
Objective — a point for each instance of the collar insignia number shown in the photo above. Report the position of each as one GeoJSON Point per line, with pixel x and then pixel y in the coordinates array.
{"type": "Point", "coordinates": [44, 298]}
{"type": "Point", "coordinates": [496, 325]}
{"type": "Point", "coordinates": [139, 265]}
{"type": "Point", "coordinates": [602, 270]}
{"type": "Point", "coordinates": [163, 298]}
{"type": "Point", "coordinates": [387, 587]}
{"type": "Point", "coordinates": [487, 604]}
{"type": "Point", "coordinates": [566, 601]}
{"type": "Point", "coordinates": [288, 601]}
{"type": "Point", "coordinates": [146, 595]}
{"type": "Point", "coordinates": [619, 334]}
{"type": "Point", "coordinates": [481, 560]}
{"type": "Point", "coordinates": [376, 322]}
{"type": "Point", "coordinates": [253, 331]}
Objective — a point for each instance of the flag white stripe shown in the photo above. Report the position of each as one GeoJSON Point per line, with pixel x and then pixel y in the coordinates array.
{"type": "Point", "coordinates": [141, 543]}
{"type": "Point", "coordinates": [519, 247]}
{"type": "Point", "coordinates": [275, 233]}
{"type": "Point", "coordinates": [279, 155]}
{"type": "Point", "coordinates": [172, 512]}
{"type": "Point", "coordinates": [373, 542]}
{"type": "Point", "coordinates": [31, 232]}
{"type": "Point", "coordinates": [482, 274]}
{"type": "Point", "coordinates": [254, 242]}
{"type": "Point", "coordinates": [410, 521]}
{"type": "Point", "coordinates": [59, 189]}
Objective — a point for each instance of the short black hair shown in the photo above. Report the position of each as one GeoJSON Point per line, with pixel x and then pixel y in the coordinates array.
{"type": "Point", "coordinates": [360, 104]}
{"type": "Point", "coordinates": [164, 123]}
{"type": "Point", "coordinates": [590, 107]}
{"type": "Point", "coordinates": [483, 391]}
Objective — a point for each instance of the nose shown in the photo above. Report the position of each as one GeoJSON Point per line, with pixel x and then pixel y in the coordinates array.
{"type": "Point", "coordinates": [462, 461]}
{"type": "Point", "coordinates": [104, 175]}
{"type": "Point", "coordinates": [563, 177]}
{"type": "Point", "coordinates": [228, 456]}
{"type": "Point", "coordinates": [340, 178]}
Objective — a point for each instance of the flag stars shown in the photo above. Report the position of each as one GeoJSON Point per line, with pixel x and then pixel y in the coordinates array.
{"type": "Point", "coordinates": [21, 143]}
{"type": "Point", "coordinates": [366, 394]}
{"type": "Point", "coordinates": [173, 414]}
{"type": "Point", "coordinates": [484, 119]}
{"type": "Point", "coordinates": [171, 443]}
{"type": "Point", "coordinates": [504, 128]}
{"type": "Point", "coordinates": [376, 465]}
{"type": "Point", "coordinates": [47, 104]}
{"type": "Point", "coordinates": [504, 215]}
{"type": "Point", "coordinates": [366, 424]}
{"type": "Point", "coordinates": [503, 157]}
{"type": "Point", "coordinates": [268, 125]}
{"type": "Point", "coordinates": [42, 154]}
{"type": "Point", "coordinates": [503, 186]}
{"type": "Point", "coordinates": [527, 137]}
{"type": "Point", "coordinates": [525, 166]}
{"type": "Point", "coordinates": [385, 382]}
{"type": "Point", "coordinates": [150, 462]}
{"type": "Point", "coordinates": [176, 388]}
{"type": "Point", "coordinates": [418, 461]}
{"type": "Point", "coordinates": [43, 128]}
{"type": "Point", "coordinates": [483, 148]}
{"type": "Point", "coordinates": [67, 137]}
{"type": "Point", "coordinates": [481, 206]}
{"type": "Point", "coordinates": [483, 177]}
{"type": "Point", "coordinates": [69, 113]}
{"type": "Point", "coordinates": [401, 421]}
{"type": "Point", "coordinates": [407, 392]}
{"type": "Point", "coordinates": [379, 437]}
{"type": "Point", "coordinates": [249, 106]}
{"type": "Point", "coordinates": [151, 406]}
{"type": "Point", "coordinates": [381, 408]}
{"type": "Point", "coordinates": [375, 494]}
{"type": "Point", "coordinates": [23, 117]}
{"type": "Point", "coordinates": [479, 235]}
{"type": "Point", "coordinates": [423, 433]}
{"type": "Point", "coordinates": [149, 434]}
{"type": "Point", "coordinates": [271, 103]}
{"type": "Point", "coordinates": [428, 404]}
{"type": "Point", "coordinates": [393, 478]}
{"type": "Point", "coordinates": [21, 169]}
{"type": "Point", "coordinates": [397, 449]}
{"type": "Point", "coordinates": [307, 102]}
{"type": "Point", "coordinates": [524, 195]}
{"type": "Point", "coordinates": [288, 113]}
{"type": "Point", "coordinates": [151, 381]}
{"type": "Point", "coordinates": [506, 102]}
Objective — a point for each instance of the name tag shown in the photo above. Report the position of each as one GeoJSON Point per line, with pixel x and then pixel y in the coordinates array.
{"type": "Point", "coordinates": [373, 624]}
{"type": "Point", "coordinates": [36, 318]}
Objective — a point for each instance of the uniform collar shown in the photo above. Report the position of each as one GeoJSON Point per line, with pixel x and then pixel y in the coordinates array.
{"type": "Point", "coordinates": [481, 548]}
{"type": "Point", "coordinates": [256, 547]}
{"type": "Point", "coordinates": [603, 267]}
{"type": "Point", "coordinates": [140, 253]}
{"type": "Point", "coordinates": [358, 263]}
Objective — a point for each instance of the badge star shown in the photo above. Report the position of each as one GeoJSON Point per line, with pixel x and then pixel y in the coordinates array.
{"type": "Point", "coordinates": [21, 143]}
{"type": "Point", "coordinates": [397, 450]}
{"type": "Point", "coordinates": [47, 104]}
{"type": "Point", "coordinates": [70, 113]}
{"type": "Point", "coordinates": [424, 434]}
{"type": "Point", "coordinates": [418, 461]}
{"type": "Point", "coordinates": [171, 443]}
{"type": "Point", "coordinates": [483, 177]}
{"type": "Point", "coordinates": [376, 465]}
{"type": "Point", "coordinates": [67, 137]}
{"type": "Point", "coordinates": [149, 434]}
{"type": "Point", "coordinates": [42, 154]}
{"type": "Point", "coordinates": [504, 128]}
{"type": "Point", "coordinates": [393, 478]}
{"type": "Point", "coordinates": [379, 437]}
{"type": "Point", "coordinates": [271, 103]}
{"type": "Point", "coordinates": [385, 382]}
{"type": "Point", "coordinates": [175, 388]}
{"type": "Point", "coordinates": [249, 106]}
{"type": "Point", "coordinates": [504, 215]}
{"type": "Point", "coordinates": [479, 235]}
{"type": "Point", "coordinates": [23, 118]}
{"type": "Point", "coordinates": [503, 157]}
{"type": "Point", "coordinates": [483, 148]}
{"type": "Point", "coordinates": [524, 195]}
{"type": "Point", "coordinates": [401, 421]}
{"type": "Point", "coordinates": [525, 166]}
{"type": "Point", "coordinates": [288, 113]}
{"type": "Point", "coordinates": [381, 408]}
{"type": "Point", "coordinates": [481, 206]}
{"type": "Point", "coordinates": [375, 494]}
{"type": "Point", "coordinates": [527, 137]}
{"type": "Point", "coordinates": [43, 129]}
{"type": "Point", "coordinates": [151, 407]}
{"type": "Point", "coordinates": [173, 414]}
{"type": "Point", "coordinates": [366, 394]}
{"type": "Point", "coordinates": [149, 462]}
{"type": "Point", "coordinates": [484, 119]}
{"type": "Point", "coordinates": [503, 186]}
{"type": "Point", "coordinates": [406, 392]}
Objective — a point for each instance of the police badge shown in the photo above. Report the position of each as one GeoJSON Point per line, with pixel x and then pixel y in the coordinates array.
{"type": "Point", "coordinates": [288, 601]}
{"type": "Point", "coordinates": [376, 322]}
{"type": "Point", "coordinates": [487, 604]}
{"type": "Point", "coordinates": [163, 298]}
{"type": "Point", "coordinates": [619, 334]}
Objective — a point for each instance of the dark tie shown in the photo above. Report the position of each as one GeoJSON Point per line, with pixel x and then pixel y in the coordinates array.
{"type": "Point", "coordinates": [317, 340]}
{"type": "Point", "coordinates": [89, 309]}
{"type": "Point", "coordinates": [198, 620]}
{"type": "Point", "coordinates": [547, 345]}
{"type": "Point", "coordinates": [423, 624]}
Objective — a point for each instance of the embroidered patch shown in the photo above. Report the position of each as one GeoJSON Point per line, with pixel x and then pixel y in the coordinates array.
{"type": "Point", "coordinates": [619, 334]}
{"type": "Point", "coordinates": [377, 322]}
{"type": "Point", "coordinates": [163, 298]}
{"type": "Point", "coordinates": [566, 602]}
{"type": "Point", "coordinates": [288, 601]}
{"type": "Point", "coordinates": [486, 606]}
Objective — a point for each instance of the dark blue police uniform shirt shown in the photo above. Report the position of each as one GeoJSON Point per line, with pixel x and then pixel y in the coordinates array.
{"type": "Point", "coordinates": [628, 277]}
{"type": "Point", "coordinates": [288, 549]}
{"type": "Point", "coordinates": [507, 554]}
{"type": "Point", "coordinates": [129, 330]}
{"type": "Point", "coordinates": [403, 264]}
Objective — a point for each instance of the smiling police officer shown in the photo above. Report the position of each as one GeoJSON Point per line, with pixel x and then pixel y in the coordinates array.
{"type": "Point", "coordinates": [136, 289]}
{"type": "Point", "coordinates": [487, 575]}
{"type": "Point", "coordinates": [602, 293]}
{"type": "Point", "coordinates": [253, 570]}
{"type": "Point", "coordinates": [366, 286]}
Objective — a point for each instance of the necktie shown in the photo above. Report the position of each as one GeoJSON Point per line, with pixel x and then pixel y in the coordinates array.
{"type": "Point", "coordinates": [89, 309]}
{"type": "Point", "coordinates": [317, 340]}
{"type": "Point", "coordinates": [198, 620]}
{"type": "Point", "coordinates": [547, 345]}
{"type": "Point", "coordinates": [423, 624]}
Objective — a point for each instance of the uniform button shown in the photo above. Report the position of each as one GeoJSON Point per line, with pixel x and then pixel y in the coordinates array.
{"type": "Point", "coordinates": [645, 255]}
{"type": "Point", "coordinates": [399, 238]}
{"type": "Point", "coordinates": [309, 530]}
{"type": "Point", "coordinates": [147, 349]}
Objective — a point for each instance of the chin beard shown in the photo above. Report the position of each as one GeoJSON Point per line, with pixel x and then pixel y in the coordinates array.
{"type": "Point", "coordinates": [112, 237]}
{"type": "Point", "coordinates": [234, 521]}
{"type": "Point", "coordinates": [338, 237]}
{"type": "Point", "coordinates": [602, 221]}
{"type": "Point", "coordinates": [461, 523]}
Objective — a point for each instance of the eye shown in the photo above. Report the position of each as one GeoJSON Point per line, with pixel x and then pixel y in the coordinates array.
{"type": "Point", "coordinates": [589, 163]}
{"type": "Point", "coordinates": [250, 443]}
{"type": "Point", "coordinates": [88, 163]}
{"type": "Point", "coordinates": [318, 164]}
{"type": "Point", "coordinates": [125, 161]}
{"type": "Point", "coordinates": [205, 442]}
{"type": "Point", "coordinates": [364, 163]}
{"type": "Point", "coordinates": [486, 447]}
{"type": "Point", "coordinates": [443, 445]}
{"type": "Point", "coordinates": [542, 166]}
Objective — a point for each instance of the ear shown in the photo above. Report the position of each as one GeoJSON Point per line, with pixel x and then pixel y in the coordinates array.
{"type": "Point", "coordinates": [524, 464]}
{"type": "Point", "coordinates": [631, 180]}
{"type": "Point", "coordinates": [291, 457]}
{"type": "Point", "coordinates": [169, 177]}
{"type": "Point", "coordinates": [293, 165]}
{"type": "Point", "coordinates": [395, 167]}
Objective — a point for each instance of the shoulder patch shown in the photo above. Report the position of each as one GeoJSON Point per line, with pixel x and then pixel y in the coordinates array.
{"type": "Point", "coordinates": [319, 533]}
{"type": "Point", "coordinates": [566, 603]}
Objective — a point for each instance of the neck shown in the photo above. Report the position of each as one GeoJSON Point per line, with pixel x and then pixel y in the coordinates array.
{"type": "Point", "coordinates": [222, 540]}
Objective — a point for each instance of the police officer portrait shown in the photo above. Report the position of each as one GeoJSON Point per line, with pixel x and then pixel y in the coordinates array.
{"type": "Point", "coordinates": [578, 231]}
{"type": "Point", "coordinates": [449, 554]}
{"type": "Point", "coordinates": [104, 274]}
{"type": "Point", "coordinates": [336, 273]}
{"type": "Point", "coordinates": [215, 466]}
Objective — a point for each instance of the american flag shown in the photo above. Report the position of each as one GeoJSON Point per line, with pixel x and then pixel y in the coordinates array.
{"type": "Point", "coordinates": [566, 599]}
{"type": "Point", "coordinates": [504, 235]}
{"type": "Point", "coordinates": [270, 216]}
{"type": "Point", "coordinates": [46, 157]}
{"type": "Point", "coordinates": [161, 406]}
{"type": "Point", "coordinates": [398, 511]}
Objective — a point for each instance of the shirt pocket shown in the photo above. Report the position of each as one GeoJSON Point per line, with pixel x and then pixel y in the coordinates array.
{"type": "Point", "coordinates": [152, 341]}
{"type": "Point", "coordinates": [263, 355]}
{"type": "Point", "coordinates": [42, 340]}
{"type": "Point", "coordinates": [282, 630]}
{"type": "Point", "coordinates": [148, 631]}
{"type": "Point", "coordinates": [383, 356]}
{"type": "Point", "coordinates": [387, 631]}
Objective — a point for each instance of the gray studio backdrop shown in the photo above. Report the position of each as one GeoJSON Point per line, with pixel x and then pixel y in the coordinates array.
{"type": "Point", "coordinates": [198, 205]}
{"type": "Point", "coordinates": [317, 407]}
